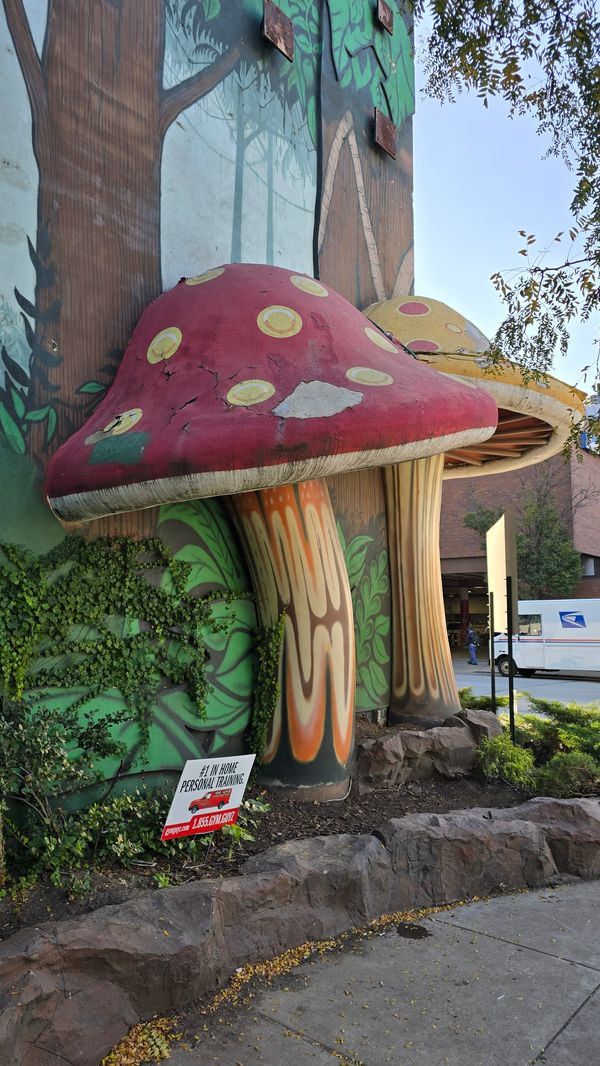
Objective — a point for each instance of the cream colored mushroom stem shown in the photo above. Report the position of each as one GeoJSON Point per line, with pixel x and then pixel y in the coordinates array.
{"type": "Point", "coordinates": [423, 687]}
{"type": "Point", "coordinates": [295, 557]}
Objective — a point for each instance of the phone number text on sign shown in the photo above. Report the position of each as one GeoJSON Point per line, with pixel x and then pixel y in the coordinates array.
{"type": "Point", "coordinates": [200, 823]}
{"type": "Point", "coordinates": [214, 821]}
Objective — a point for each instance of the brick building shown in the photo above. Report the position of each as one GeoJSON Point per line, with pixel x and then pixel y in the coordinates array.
{"type": "Point", "coordinates": [575, 486]}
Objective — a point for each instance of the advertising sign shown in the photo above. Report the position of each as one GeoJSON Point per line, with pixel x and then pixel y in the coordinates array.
{"type": "Point", "coordinates": [208, 795]}
{"type": "Point", "coordinates": [501, 551]}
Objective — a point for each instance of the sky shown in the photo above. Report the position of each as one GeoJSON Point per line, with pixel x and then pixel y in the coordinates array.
{"type": "Point", "coordinates": [479, 179]}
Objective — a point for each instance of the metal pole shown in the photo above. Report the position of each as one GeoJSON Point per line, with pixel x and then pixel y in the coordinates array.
{"type": "Point", "coordinates": [511, 673]}
{"type": "Point", "coordinates": [491, 653]}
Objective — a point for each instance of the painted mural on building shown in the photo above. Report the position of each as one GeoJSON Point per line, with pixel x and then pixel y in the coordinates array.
{"type": "Point", "coordinates": [153, 139]}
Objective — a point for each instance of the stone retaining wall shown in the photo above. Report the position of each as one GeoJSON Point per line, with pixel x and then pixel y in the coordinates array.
{"type": "Point", "coordinates": [70, 990]}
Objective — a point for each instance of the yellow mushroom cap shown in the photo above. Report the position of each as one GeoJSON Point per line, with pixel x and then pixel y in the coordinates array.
{"type": "Point", "coordinates": [535, 417]}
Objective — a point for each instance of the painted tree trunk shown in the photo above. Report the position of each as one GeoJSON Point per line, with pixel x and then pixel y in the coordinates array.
{"type": "Point", "coordinates": [423, 685]}
{"type": "Point", "coordinates": [99, 116]}
{"type": "Point", "coordinates": [292, 546]}
{"type": "Point", "coordinates": [97, 144]}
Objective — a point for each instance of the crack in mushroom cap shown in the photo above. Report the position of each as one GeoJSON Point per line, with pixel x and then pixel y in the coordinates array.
{"type": "Point", "coordinates": [250, 376]}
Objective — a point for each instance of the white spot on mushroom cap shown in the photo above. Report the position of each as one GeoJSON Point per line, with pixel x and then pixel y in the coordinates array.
{"type": "Point", "coordinates": [317, 399]}
{"type": "Point", "coordinates": [209, 275]}
{"type": "Point", "coordinates": [164, 345]}
{"type": "Point", "coordinates": [253, 390]}
{"type": "Point", "coordinates": [368, 375]}
{"type": "Point", "coordinates": [309, 285]}
{"type": "Point", "coordinates": [279, 321]}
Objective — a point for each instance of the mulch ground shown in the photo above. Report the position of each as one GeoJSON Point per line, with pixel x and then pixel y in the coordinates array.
{"type": "Point", "coordinates": [288, 819]}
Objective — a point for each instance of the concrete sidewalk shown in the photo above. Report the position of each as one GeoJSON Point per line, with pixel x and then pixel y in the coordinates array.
{"type": "Point", "coordinates": [511, 982]}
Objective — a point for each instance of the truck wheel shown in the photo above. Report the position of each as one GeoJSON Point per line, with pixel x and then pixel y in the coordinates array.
{"type": "Point", "coordinates": [502, 665]}
{"type": "Point", "coordinates": [220, 805]}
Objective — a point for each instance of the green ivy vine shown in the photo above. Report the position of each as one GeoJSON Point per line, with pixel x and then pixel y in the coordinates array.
{"type": "Point", "coordinates": [93, 617]}
{"type": "Point", "coordinates": [267, 691]}
{"type": "Point", "coordinates": [115, 630]}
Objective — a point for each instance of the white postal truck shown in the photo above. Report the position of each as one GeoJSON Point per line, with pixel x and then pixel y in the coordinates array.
{"type": "Point", "coordinates": [555, 635]}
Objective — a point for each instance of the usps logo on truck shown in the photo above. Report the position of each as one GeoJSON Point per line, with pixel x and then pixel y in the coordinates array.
{"type": "Point", "coordinates": [572, 620]}
{"type": "Point", "coordinates": [208, 795]}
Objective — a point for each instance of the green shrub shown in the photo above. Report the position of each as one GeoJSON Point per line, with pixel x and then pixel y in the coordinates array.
{"type": "Point", "coordinates": [469, 701]}
{"type": "Point", "coordinates": [564, 741]}
{"type": "Point", "coordinates": [542, 736]}
{"type": "Point", "coordinates": [570, 773]}
{"type": "Point", "coordinates": [578, 727]}
{"type": "Point", "coordinates": [42, 754]}
{"type": "Point", "coordinates": [123, 831]}
{"type": "Point", "coordinates": [499, 759]}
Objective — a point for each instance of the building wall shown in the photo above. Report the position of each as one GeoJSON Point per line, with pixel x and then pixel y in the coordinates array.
{"type": "Point", "coordinates": [575, 486]}
{"type": "Point", "coordinates": [585, 488]}
{"type": "Point", "coordinates": [461, 495]}
{"type": "Point", "coordinates": [588, 587]}
{"type": "Point", "coordinates": [179, 150]}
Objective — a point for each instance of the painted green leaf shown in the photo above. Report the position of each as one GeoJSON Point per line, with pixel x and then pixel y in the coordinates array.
{"type": "Point", "coordinates": [355, 558]}
{"type": "Point", "coordinates": [51, 427]}
{"type": "Point", "coordinates": [379, 650]}
{"type": "Point", "coordinates": [368, 57]}
{"type": "Point", "coordinates": [201, 524]}
{"type": "Point", "coordinates": [210, 547]}
{"type": "Point", "coordinates": [359, 614]}
{"type": "Point", "coordinates": [18, 404]}
{"type": "Point", "coordinates": [352, 28]}
{"type": "Point", "coordinates": [374, 605]}
{"type": "Point", "coordinates": [378, 681]}
{"type": "Point", "coordinates": [364, 676]}
{"type": "Point", "coordinates": [342, 538]}
{"type": "Point", "coordinates": [382, 625]}
{"type": "Point", "coordinates": [37, 416]}
{"type": "Point", "coordinates": [212, 8]}
{"type": "Point", "coordinates": [302, 74]}
{"type": "Point", "coordinates": [92, 386]}
{"type": "Point", "coordinates": [11, 431]}
{"type": "Point", "coordinates": [205, 569]}
{"type": "Point", "coordinates": [395, 55]}
{"type": "Point", "coordinates": [370, 626]}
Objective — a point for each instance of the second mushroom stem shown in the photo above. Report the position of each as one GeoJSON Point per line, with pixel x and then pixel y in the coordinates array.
{"type": "Point", "coordinates": [290, 538]}
{"type": "Point", "coordinates": [423, 685]}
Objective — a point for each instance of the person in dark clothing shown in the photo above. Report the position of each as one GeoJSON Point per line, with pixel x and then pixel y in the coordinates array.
{"type": "Point", "coordinates": [471, 641]}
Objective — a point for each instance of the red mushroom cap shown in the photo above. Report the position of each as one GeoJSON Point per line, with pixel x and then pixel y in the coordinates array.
{"type": "Point", "coordinates": [252, 376]}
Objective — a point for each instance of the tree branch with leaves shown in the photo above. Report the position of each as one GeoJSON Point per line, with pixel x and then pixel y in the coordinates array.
{"type": "Point", "coordinates": [543, 60]}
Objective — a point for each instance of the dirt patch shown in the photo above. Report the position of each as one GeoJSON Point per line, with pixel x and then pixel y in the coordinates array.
{"type": "Point", "coordinates": [288, 819]}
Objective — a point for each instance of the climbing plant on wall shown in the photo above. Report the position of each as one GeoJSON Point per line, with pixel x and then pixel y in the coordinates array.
{"type": "Point", "coordinates": [110, 626]}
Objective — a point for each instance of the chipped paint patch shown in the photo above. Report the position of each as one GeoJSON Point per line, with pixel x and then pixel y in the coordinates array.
{"type": "Point", "coordinates": [317, 399]}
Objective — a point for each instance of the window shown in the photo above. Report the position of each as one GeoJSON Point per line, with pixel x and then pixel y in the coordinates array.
{"type": "Point", "coordinates": [530, 625]}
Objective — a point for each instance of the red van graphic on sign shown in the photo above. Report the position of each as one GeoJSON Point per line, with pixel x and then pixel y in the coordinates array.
{"type": "Point", "coordinates": [217, 798]}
